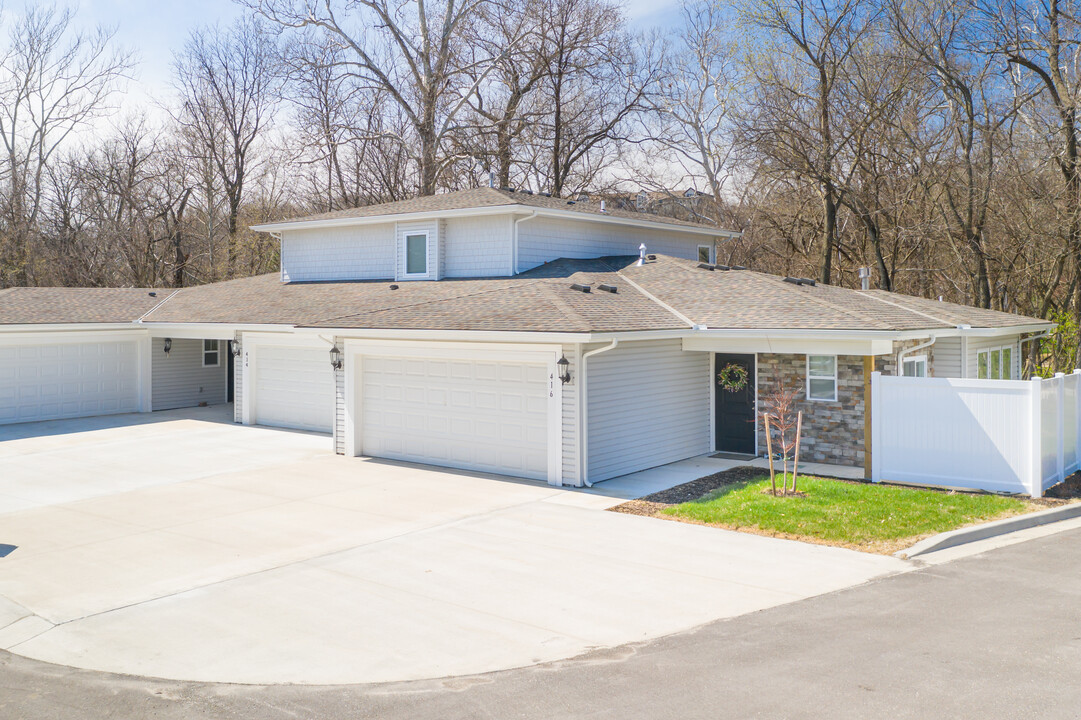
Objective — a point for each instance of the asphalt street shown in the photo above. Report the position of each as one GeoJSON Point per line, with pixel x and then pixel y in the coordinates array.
{"type": "Point", "coordinates": [996, 635]}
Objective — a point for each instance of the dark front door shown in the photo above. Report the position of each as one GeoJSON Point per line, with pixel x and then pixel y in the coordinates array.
{"type": "Point", "coordinates": [734, 410]}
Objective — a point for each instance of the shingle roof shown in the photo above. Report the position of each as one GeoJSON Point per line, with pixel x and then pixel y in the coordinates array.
{"type": "Point", "coordinates": [48, 305]}
{"type": "Point", "coordinates": [537, 301]}
{"type": "Point", "coordinates": [486, 197]}
{"type": "Point", "coordinates": [664, 293]}
{"type": "Point", "coordinates": [744, 299]}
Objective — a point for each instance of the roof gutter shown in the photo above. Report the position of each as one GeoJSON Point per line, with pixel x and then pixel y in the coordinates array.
{"type": "Point", "coordinates": [494, 210]}
{"type": "Point", "coordinates": [900, 370]}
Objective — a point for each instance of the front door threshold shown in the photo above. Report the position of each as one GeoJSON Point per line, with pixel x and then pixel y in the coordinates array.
{"type": "Point", "coordinates": [733, 456]}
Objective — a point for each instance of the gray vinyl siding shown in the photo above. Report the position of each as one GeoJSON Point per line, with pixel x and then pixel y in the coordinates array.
{"type": "Point", "coordinates": [542, 240]}
{"type": "Point", "coordinates": [947, 358]}
{"type": "Point", "coordinates": [649, 404]}
{"type": "Point", "coordinates": [179, 379]}
{"type": "Point", "coordinates": [339, 405]}
{"type": "Point", "coordinates": [570, 418]}
{"type": "Point", "coordinates": [348, 253]}
{"type": "Point", "coordinates": [238, 382]}
{"type": "Point", "coordinates": [977, 344]}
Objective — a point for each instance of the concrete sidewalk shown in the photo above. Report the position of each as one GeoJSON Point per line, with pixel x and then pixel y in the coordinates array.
{"type": "Point", "coordinates": [202, 551]}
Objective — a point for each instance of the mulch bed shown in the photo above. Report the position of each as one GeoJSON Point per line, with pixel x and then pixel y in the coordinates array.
{"type": "Point", "coordinates": [1068, 489]}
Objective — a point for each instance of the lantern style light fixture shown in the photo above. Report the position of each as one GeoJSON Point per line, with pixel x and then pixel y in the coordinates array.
{"type": "Point", "coordinates": [564, 367]}
{"type": "Point", "coordinates": [168, 345]}
{"type": "Point", "coordinates": [336, 358]}
{"type": "Point", "coordinates": [234, 348]}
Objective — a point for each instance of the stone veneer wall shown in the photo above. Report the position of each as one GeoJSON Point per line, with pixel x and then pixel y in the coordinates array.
{"type": "Point", "coordinates": [832, 431]}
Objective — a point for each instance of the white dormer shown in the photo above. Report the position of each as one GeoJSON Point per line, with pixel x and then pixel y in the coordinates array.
{"type": "Point", "coordinates": [419, 250]}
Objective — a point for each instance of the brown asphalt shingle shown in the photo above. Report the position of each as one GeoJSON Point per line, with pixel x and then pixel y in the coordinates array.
{"type": "Point", "coordinates": [486, 197]}
{"type": "Point", "coordinates": [47, 305]}
{"type": "Point", "coordinates": [537, 301]}
{"type": "Point", "coordinates": [744, 299]}
{"type": "Point", "coordinates": [665, 293]}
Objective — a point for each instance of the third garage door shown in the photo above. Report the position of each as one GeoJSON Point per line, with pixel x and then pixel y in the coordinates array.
{"type": "Point", "coordinates": [473, 414]}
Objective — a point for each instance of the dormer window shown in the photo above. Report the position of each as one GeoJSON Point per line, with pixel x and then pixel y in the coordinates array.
{"type": "Point", "coordinates": [416, 254]}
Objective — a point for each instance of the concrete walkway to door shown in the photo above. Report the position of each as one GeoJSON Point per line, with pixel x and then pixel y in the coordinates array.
{"type": "Point", "coordinates": [179, 546]}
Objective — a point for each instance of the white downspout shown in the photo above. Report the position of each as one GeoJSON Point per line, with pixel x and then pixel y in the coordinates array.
{"type": "Point", "coordinates": [514, 248]}
{"type": "Point", "coordinates": [281, 260]}
{"type": "Point", "coordinates": [582, 375]}
{"type": "Point", "coordinates": [1021, 346]}
{"type": "Point", "coordinates": [901, 355]}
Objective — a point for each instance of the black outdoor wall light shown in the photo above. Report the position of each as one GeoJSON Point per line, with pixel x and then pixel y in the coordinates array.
{"type": "Point", "coordinates": [564, 368]}
{"type": "Point", "coordinates": [168, 345]}
{"type": "Point", "coordinates": [336, 358]}
{"type": "Point", "coordinates": [234, 348]}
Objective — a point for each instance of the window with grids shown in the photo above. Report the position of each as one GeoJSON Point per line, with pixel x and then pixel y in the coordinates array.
{"type": "Point", "coordinates": [995, 363]}
{"type": "Point", "coordinates": [211, 353]}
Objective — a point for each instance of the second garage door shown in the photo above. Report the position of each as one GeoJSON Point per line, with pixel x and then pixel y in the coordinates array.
{"type": "Point", "coordinates": [477, 415]}
{"type": "Point", "coordinates": [294, 388]}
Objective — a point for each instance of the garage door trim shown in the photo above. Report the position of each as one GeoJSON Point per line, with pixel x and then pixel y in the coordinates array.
{"type": "Point", "coordinates": [355, 350]}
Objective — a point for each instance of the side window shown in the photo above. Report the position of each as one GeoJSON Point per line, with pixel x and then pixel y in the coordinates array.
{"type": "Point", "coordinates": [915, 366]}
{"type": "Point", "coordinates": [211, 355]}
{"type": "Point", "coordinates": [995, 363]}
{"type": "Point", "coordinates": [705, 253]}
{"type": "Point", "coordinates": [822, 377]}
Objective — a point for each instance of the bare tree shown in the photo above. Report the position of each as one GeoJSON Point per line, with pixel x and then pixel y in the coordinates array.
{"type": "Point", "coordinates": [599, 76]}
{"type": "Point", "coordinates": [690, 121]}
{"type": "Point", "coordinates": [794, 123]}
{"type": "Point", "coordinates": [410, 51]}
{"type": "Point", "coordinates": [229, 89]}
{"type": "Point", "coordinates": [54, 80]}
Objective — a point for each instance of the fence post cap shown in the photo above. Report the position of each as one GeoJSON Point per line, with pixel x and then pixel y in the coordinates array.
{"type": "Point", "coordinates": [1058, 374]}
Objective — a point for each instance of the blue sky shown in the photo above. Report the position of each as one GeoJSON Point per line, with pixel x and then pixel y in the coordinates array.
{"type": "Point", "coordinates": [154, 29]}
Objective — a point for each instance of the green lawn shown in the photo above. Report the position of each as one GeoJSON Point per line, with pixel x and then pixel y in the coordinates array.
{"type": "Point", "coordinates": [874, 517]}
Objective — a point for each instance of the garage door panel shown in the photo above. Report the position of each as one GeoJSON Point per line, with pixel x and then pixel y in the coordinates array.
{"type": "Point", "coordinates": [49, 382]}
{"type": "Point", "coordinates": [294, 388]}
{"type": "Point", "coordinates": [480, 415]}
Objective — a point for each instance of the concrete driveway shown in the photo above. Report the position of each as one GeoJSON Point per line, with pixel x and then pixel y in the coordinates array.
{"type": "Point", "coordinates": [180, 545]}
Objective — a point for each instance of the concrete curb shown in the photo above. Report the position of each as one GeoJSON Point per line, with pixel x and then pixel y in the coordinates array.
{"type": "Point", "coordinates": [991, 529]}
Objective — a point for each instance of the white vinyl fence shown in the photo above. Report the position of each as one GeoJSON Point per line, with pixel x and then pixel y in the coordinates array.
{"type": "Point", "coordinates": [1016, 436]}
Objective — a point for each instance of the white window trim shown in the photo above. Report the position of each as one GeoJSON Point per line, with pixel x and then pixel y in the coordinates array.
{"type": "Point", "coordinates": [709, 254]}
{"type": "Point", "coordinates": [915, 359]}
{"type": "Point", "coordinates": [807, 391]}
{"type": "Point", "coordinates": [999, 348]}
{"type": "Point", "coordinates": [406, 275]}
{"type": "Point", "coordinates": [216, 351]}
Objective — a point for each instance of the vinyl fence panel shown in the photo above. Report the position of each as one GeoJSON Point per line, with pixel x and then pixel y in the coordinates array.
{"type": "Point", "coordinates": [998, 435]}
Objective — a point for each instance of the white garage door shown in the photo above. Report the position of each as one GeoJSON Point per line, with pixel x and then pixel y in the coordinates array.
{"type": "Point", "coordinates": [47, 382]}
{"type": "Point", "coordinates": [294, 388]}
{"type": "Point", "coordinates": [471, 414]}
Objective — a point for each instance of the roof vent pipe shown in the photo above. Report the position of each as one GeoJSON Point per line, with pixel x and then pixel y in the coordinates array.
{"type": "Point", "coordinates": [865, 278]}
{"type": "Point", "coordinates": [491, 179]}
{"type": "Point", "coordinates": [641, 254]}
{"type": "Point", "coordinates": [602, 206]}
